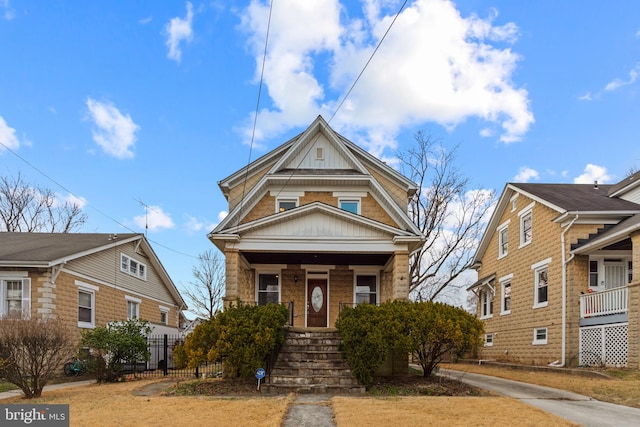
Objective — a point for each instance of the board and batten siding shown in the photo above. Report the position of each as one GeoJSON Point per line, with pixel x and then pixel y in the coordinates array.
{"type": "Point", "coordinates": [331, 157]}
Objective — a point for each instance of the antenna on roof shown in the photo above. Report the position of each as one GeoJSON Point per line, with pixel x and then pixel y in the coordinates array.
{"type": "Point", "coordinates": [146, 215]}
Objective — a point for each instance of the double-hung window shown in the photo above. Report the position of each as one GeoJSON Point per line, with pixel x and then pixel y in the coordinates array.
{"type": "Point", "coordinates": [486, 302]}
{"type": "Point", "coordinates": [133, 267]}
{"type": "Point", "coordinates": [541, 283]}
{"type": "Point", "coordinates": [16, 296]}
{"type": "Point", "coordinates": [133, 307]}
{"type": "Point", "coordinates": [526, 225]}
{"type": "Point", "coordinates": [268, 288]}
{"type": "Point", "coordinates": [86, 305]}
{"type": "Point", "coordinates": [503, 240]}
{"type": "Point", "coordinates": [366, 288]}
{"type": "Point", "coordinates": [488, 340]}
{"type": "Point", "coordinates": [505, 294]}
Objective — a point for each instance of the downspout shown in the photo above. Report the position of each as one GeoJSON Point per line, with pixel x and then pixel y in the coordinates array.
{"type": "Point", "coordinates": [564, 294]}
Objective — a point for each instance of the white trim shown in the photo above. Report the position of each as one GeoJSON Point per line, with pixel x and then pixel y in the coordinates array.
{"type": "Point", "coordinates": [91, 290]}
{"type": "Point", "coordinates": [13, 274]}
{"type": "Point", "coordinates": [269, 271]}
{"type": "Point", "coordinates": [129, 259]}
{"type": "Point", "coordinates": [488, 343]}
{"type": "Point", "coordinates": [504, 226]}
{"type": "Point", "coordinates": [80, 284]}
{"type": "Point", "coordinates": [350, 194]}
{"type": "Point", "coordinates": [537, 341]}
{"type": "Point", "coordinates": [542, 263]}
{"type": "Point", "coordinates": [163, 308]}
{"type": "Point", "coordinates": [132, 299]}
{"type": "Point", "coordinates": [513, 202]}
{"type": "Point", "coordinates": [366, 272]}
{"type": "Point", "coordinates": [505, 279]}
{"type": "Point", "coordinates": [355, 200]}
{"type": "Point", "coordinates": [528, 210]}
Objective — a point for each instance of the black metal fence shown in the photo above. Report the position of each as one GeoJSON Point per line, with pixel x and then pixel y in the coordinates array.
{"type": "Point", "coordinates": [161, 361]}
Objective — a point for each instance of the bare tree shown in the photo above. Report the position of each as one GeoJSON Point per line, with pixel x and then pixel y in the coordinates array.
{"type": "Point", "coordinates": [26, 208]}
{"type": "Point", "coordinates": [449, 215]}
{"type": "Point", "coordinates": [205, 292]}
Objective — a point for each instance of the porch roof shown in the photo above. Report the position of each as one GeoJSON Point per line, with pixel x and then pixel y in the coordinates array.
{"type": "Point", "coordinates": [316, 258]}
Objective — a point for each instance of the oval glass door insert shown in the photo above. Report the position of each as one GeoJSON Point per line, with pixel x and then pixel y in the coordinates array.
{"type": "Point", "coordinates": [316, 298]}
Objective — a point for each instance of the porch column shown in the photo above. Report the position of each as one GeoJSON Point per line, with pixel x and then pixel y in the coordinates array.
{"type": "Point", "coordinates": [400, 275]}
{"type": "Point", "coordinates": [232, 271]}
{"type": "Point", "coordinates": [633, 355]}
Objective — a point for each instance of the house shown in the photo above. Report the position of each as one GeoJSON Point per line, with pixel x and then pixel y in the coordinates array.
{"type": "Point", "coordinates": [559, 275]}
{"type": "Point", "coordinates": [318, 223]}
{"type": "Point", "coordinates": [87, 280]}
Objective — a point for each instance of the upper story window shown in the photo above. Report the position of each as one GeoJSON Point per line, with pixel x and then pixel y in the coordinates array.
{"type": "Point", "coordinates": [319, 153]}
{"type": "Point", "coordinates": [541, 291]}
{"type": "Point", "coordinates": [503, 240]}
{"type": "Point", "coordinates": [505, 292]}
{"type": "Point", "coordinates": [16, 296]}
{"type": "Point", "coordinates": [286, 204]}
{"type": "Point", "coordinates": [268, 288]}
{"type": "Point", "coordinates": [526, 227]}
{"type": "Point", "coordinates": [131, 266]}
{"type": "Point", "coordinates": [351, 205]}
{"type": "Point", "coordinates": [514, 203]}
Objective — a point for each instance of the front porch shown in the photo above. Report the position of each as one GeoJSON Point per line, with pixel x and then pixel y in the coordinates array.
{"type": "Point", "coordinates": [604, 307]}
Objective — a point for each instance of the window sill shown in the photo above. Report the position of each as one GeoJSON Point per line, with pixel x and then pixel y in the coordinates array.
{"type": "Point", "coordinates": [86, 325]}
{"type": "Point", "coordinates": [488, 345]}
{"type": "Point", "coordinates": [504, 313]}
{"type": "Point", "coordinates": [522, 245]}
{"type": "Point", "coordinates": [503, 256]}
{"type": "Point", "coordinates": [541, 305]}
{"type": "Point", "coordinates": [486, 317]}
{"type": "Point", "coordinates": [539, 342]}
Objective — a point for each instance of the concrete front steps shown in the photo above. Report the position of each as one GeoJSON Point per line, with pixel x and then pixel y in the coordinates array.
{"type": "Point", "coordinates": [310, 362]}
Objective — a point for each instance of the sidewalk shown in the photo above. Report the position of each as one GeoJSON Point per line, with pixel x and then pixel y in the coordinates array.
{"type": "Point", "coordinates": [570, 406]}
{"type": "Point", "coordinates": [18, 392]}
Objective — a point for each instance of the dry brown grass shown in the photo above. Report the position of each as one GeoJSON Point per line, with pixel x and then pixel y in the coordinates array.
{"type": "Point", "coordinates": [115, 405]}
{"type": "Point", "coordinates": [440, 411]}
{"type": "Point", "coordinates": [623, 388]}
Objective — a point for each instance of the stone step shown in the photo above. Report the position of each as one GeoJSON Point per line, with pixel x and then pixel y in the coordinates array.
{"type": "Point", "coordinates": [311, 347]}
{"type": "Point", "coordinates": [315, 364]}
{"type": "Point", "coordinates": [335, 342]}
{"type": "Point", "coordinates": [307, 372]}
{"type": "Point", "coordinates": [308, 355]}
{"type": "Point", "coordinates": [298, 380]}
{"type": "Point", "coordinates": [312, 389]}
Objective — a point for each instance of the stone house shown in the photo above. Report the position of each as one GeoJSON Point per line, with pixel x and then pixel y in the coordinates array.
{"type": "Point", "coordinates": [87, 280]}
{"type": "Point", "coordinates": [317, 223]}
{"type": "Point", "coordinates": [559, 275]}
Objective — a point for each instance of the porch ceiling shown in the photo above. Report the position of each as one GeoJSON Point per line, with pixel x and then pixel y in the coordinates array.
{"type": "Point", "coordinates": [319, 258]}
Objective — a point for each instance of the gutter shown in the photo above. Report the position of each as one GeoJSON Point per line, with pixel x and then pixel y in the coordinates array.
{"type": "Point", "coordinates": [564, 295]}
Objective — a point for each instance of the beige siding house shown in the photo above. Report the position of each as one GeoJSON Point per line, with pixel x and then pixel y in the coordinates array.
{"type": "Point", "coordinates": [87, 280]}
{"type": "Point", "coordinates": [559, 275]}
{"type": "Point", "coordinates": [317, 223]}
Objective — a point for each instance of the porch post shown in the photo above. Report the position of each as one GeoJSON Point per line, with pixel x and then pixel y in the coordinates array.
{"type": "Point", "coordinates": [633, 355]}
{"type": "Point", "coordinates": [232, 271]}
{"type": "Point", "coordinates": [400, 275]}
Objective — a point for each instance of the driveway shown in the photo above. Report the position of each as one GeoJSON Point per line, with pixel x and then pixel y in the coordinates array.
{"type": "Point", "coordinates": [570, 406]}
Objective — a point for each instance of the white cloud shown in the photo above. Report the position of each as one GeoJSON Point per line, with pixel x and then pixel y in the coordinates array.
{"type": "Point", "coordinates": [434, 66]}
{"type": "Point", "coordinates": [115, 133]}
{"type": "Point", "coordinates": [145, 21]}
{"type": "Point", "coordinates": [8, 138]}
{"type": "Point", "coordinates": [6, 11]}
{"type": "Point", "coordinates": [81, 202]}
{"type": "Point", "coordinates": [586, 97]}
{"type": "Point", "coordinates": [617, 83]}
{"type": "Point", "coordinates": [154, 218]}
{"type": "Point", "coordinates": [222, 215]}
{"type": "Point", "coordinates": [593, 173]}
{"type": "Point", "coordinates": [526, 174]}
{"type": "Point", "coordinates": [177, 31]}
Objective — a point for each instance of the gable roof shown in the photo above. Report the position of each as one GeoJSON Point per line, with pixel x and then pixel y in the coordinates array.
{"type": "Point", "coordinates": [289, 165]}
{"type": "Point", "coordinates": [567, 199]}
{"type": "Point", "coordinates": [46, 250]}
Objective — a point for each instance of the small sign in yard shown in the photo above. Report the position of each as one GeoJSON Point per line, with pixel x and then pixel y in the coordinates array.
{"type": "Point", "coordinates": [259, 375]}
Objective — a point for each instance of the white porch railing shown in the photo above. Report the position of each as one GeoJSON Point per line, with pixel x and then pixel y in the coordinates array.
{"type": "Point", "coordinates": [612, 301]}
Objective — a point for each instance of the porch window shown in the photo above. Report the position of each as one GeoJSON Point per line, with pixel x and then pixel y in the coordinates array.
{"type": "Point", "coordinates": [593, 274]}
{"type": "Point", "coordinates": [505, 286]}
{"type": "Point", "coordinates": [539, 336]}
{"type": "Point", "coordinates": [16, 296]}
{"type": "Point", "coordinates": [366, 289]}
{"type": "Point", "coordinates": [486, 303]}
{"type": "Point", "coordinates": [268, 289]}
{"type": "Point", "coordinates": [503, 241]}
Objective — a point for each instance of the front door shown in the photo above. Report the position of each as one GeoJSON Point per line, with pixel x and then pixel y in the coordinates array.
{"type": "Point", "coordinates": [317, 303]}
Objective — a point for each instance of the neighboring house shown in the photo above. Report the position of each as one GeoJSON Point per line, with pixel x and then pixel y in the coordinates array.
{"type": "Point", "coordinates": [87, 280]}
{"type": "Point", "coordinates": [317, 223]}
{"type": "Point", "coordinates": [559, 275]}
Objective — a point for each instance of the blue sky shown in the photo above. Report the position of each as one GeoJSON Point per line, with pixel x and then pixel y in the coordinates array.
{"type": "Point", "coordinates": [125, 104]}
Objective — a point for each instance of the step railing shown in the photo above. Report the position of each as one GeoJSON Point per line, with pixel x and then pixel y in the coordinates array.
{"type": "Point", "coordinates": [603, 303]}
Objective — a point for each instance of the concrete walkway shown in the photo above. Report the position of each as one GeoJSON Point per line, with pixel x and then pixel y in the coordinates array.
{"type": "Point", "coordinates": [310, 410]}
{"type": "Point", "coordinates": [570, 406]}
{"type": "Point", "coordinates": [19, 393]}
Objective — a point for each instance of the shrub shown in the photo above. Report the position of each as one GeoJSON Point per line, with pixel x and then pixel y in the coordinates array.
{"type": "Point", "coordinates": [246, 337]}
{"type": "Point", "coordinates": [116, 345]}
{"type": "Point", "coordinates": [32, 351]}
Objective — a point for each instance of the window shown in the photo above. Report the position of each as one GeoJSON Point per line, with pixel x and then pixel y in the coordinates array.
{"type": "Point", "coordinates": [350, 205]}
{"type": "Point", "coordinates": [541, 280]}
{"type": "Point", "coordinates": [526, 230]}
{"type": "Point", "coordinates": [539, 336]}
{"type": "Point", "coordinates": [133, 307]}
{"type": "Point", "coordinates": [16, 296]}
{"type": "Point", "coordinates": [486, 303]}
{"type": "Point", "coordinates": [366, 289]}
{"type": "Point", "coordinates": [488, 340]}
{"type": "Point", "coordinates": [268, 289]}
{"type": "Point", "coordinates": [593, 274]}
{"type": "Point", "coordinates": [505, 285]}
{"type": "Point", "coordinates": [286, 204]}
{"type": "Point", "coordinates": [630, 272]}
{"type": "Point", "coordinates": [164, 317]}
{"type": "Point", "coordinates": [86, 304]}
{"type": "Point", "coordinates": [503, 241]}
{"type": "Point", "coordinates": [132, 267]}
{"type": "Point", "coordinates": [514, 203]}
{"type": "Point", "coordinates": [319, 153]}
